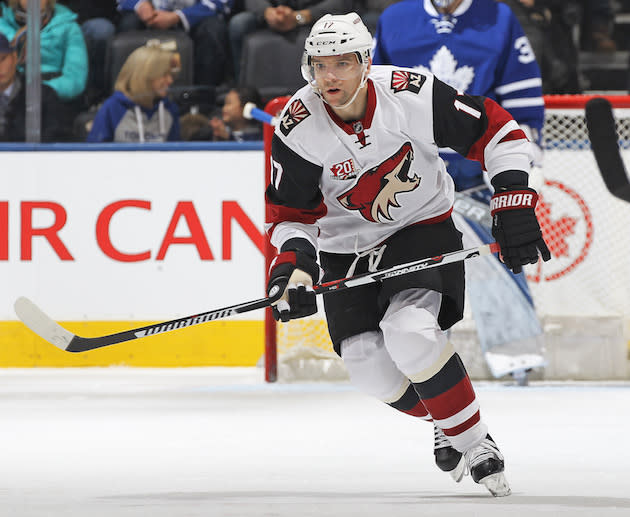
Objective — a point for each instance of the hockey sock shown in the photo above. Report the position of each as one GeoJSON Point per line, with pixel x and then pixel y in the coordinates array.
{"type": "Point", "coordinates": [411, 404]}
{"type": "Point", "coordinates": [450, 399]}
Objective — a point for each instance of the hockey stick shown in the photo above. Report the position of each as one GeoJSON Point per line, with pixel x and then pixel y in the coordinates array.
{"type": "Point", "coordinates": [600, 123]}
{"type": "Point", "coordinates": [250, 111]}
{"type": "Point", "coordinates": [35, 319]}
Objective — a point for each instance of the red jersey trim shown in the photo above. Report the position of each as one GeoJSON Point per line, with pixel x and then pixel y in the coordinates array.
{"type": "Point", "coordinates": [436, 219]}
{"type": "Point", "coordinates": [497, 118]}
{"type": "Point", "coordinates": [366, 121]}
{"type": "Point", "coordinates": [517, 134]}
{"type": "Point", "coordinates": [277, 214]}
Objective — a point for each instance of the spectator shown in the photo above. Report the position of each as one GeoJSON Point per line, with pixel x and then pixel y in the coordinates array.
{"type": "Point", "coordinates": [205, 22]}
{"type": "Point", "coordinates": [195, 126]}
{"type": "Point", "coordinates": [597, 25]}
{"type": "Point", "coordinates": [550, 26]}
{"type": "Point", "coordinates": [13, 102]}
{"type": "Point", "coordinates": [290, 17]}
{"type": "Point", "coordinates": [64, 62]}
{"type": "Point", "coordinates": [98, 20]}
{"type": "Point", "coordinates": [232, 125]}
{"type": "Point", "coordinates": [139, 110]}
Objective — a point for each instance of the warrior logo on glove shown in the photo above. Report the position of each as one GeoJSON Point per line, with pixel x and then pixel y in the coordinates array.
{"type": "Point", "coordinates": [515, 227]}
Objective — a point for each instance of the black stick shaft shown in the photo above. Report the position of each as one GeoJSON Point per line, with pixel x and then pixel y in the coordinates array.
{"type": "Point", "coordinates": [54, 333]}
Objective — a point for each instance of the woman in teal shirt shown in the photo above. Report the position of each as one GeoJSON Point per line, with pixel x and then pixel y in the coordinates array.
{"type": "Point", "coordinates": [64, 62]}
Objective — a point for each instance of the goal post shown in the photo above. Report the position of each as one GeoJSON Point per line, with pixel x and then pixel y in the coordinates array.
{"type": "Point", "coordinates": [273, 107]}
{"type": "Point", "coordinates": [582, 296]}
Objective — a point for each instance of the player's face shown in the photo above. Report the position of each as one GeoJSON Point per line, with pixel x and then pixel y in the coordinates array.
{"type": "Point", "coordinates": [337, 77]}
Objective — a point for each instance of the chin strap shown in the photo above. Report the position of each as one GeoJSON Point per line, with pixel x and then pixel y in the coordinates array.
{"type": "Point", "coordinates": [354, 95]}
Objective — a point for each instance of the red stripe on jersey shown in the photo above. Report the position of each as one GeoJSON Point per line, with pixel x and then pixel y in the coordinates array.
{"type": "Point", "coordinates": [436, 219]}
{"type": "Point", "coordinates": [464, 426]}
{"type": "Point", "coordinates": [452, 401]}
{"type": "Point", "coordinates": [417, 410]}
{"type": "Point", "coordinates": [278, 213]}
{"type": "Point", "coordinates": [517, 134]}
{"type": "Point", "coordinates": [497, 118]}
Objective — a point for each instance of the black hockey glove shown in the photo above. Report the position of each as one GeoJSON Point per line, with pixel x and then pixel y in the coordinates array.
{"type": "Point", "coordinates": [515, 227]}
{"type": "Point", "coordinates": [291, 277]}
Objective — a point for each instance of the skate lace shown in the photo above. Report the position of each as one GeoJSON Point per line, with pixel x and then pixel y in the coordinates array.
{"type": "Point", "coordinates": [487, 449]}
{"type": "Point", "coordinates": [441, 440]}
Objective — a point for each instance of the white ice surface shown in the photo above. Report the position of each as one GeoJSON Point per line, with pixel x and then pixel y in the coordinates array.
{"type": "Point", "coordinates": [121, 442]}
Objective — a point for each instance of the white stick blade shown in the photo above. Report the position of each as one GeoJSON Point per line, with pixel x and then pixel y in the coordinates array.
{"type": "Point", "coordinates": [35, 319]}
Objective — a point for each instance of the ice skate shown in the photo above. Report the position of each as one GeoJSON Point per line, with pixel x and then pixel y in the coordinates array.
{"type": "Point", "coordinates": [486, 466]}
{"type": "Point", "coordinates": [448, 458]}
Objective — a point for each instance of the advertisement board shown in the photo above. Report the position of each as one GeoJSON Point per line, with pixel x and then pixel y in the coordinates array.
{"type": "Point", "coordinates": [103, 241]}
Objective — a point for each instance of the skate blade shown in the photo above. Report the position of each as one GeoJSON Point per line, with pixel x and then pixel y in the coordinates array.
{"type": "Point", "coordinates": [496, 484]}
{"type": "Point", "coordinates": [458, 472]}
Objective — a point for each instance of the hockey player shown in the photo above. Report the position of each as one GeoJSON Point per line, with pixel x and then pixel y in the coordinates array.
{"type": "Point", "coordinates": [356, 175]}
{"type": "Point", "coordinates": [478, 47]}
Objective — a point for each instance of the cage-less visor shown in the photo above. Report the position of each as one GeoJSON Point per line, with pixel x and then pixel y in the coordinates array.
{"type": "Point", "coordinates": [342, 68]}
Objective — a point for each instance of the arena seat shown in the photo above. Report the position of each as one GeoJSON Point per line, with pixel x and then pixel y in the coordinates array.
{"type": "Point", "coordinates": [125, 43]}
{"type": "Point", "coordinates": [271, 62]}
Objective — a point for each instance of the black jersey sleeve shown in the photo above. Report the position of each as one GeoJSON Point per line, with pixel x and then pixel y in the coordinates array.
{"type": "Point", "coordinates": [458, 120]}
{"type": "Point", "coordinates": [293, 193]}
{"type": "Point", "coordinates": [468, 123]}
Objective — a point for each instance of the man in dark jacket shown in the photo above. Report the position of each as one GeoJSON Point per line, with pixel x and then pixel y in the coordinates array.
{"type": "Point", "coordinates": [55, 118]}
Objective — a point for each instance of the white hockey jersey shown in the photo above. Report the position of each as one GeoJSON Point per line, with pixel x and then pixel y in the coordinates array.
{"type": "Point", "coordinates": [347, 186]}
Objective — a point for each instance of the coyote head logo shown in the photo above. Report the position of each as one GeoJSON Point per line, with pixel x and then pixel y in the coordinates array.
{"type": "Point", "coordinates": [375, 191]}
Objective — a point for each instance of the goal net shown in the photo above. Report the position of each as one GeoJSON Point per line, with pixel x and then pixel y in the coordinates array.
{"type": "Point", "coordinates": [581, 296]}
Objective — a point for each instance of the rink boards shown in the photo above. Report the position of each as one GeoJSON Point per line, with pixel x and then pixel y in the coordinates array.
{"type": "Point", "coordinates": [109, 240]}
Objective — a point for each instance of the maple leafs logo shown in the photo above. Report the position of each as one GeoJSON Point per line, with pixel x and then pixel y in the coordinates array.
{"type": "Point", "coordinates": [444, 66]}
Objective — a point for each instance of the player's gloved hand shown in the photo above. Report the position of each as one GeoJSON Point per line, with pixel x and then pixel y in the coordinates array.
{"type": "Point", "coordinates": [515, 227]}
{"type": "Point", "coordinates": [291, 277]}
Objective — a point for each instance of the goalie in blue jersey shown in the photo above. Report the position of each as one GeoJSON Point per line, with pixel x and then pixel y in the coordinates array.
{"type": "Point", "coordinates": [479, 47]}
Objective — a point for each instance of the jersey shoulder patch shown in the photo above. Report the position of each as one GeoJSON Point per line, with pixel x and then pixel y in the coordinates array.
{"type": "Point", "coordinates": [295, 113]}
{"type": "Point", "coordinates": [406, 81]}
